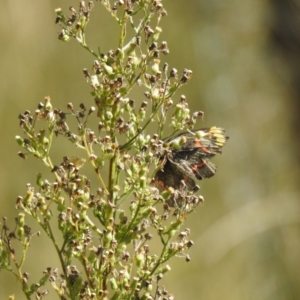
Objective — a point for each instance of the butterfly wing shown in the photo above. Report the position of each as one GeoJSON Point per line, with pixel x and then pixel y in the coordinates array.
{"type": "Point", "coordinates": [189, 157]}
{"type": "Point", "coordinates": [208, 141]}
{"type": "Point", "coordinates": [173, 175]}
{"type": "Point", "coordinates": [194, 163]}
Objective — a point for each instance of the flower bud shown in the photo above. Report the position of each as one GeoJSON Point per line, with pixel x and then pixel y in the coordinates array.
{"type": "Point", "coordinates": [157, 33]}
{"type": "Point", "coordinates": [19, 140]}
{"type": "Point", "coordinates": [113, 284]}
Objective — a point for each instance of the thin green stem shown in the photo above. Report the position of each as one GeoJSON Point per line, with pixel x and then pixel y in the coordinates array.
{"type": "Point", "coordinates": [83, 261]}
{"type": "Point", "coordinates": [88, 150]}
{"type": "Point", "coordinates": [131, 141]}
{"type": "Point", "coordinates": [93, 226]}
{"type": "Point", "coordinates": [122, 239]}
{"type": "Point", "coordinates": [138, 30]}
{"type": "Point", "coordinates": [112, 174]}
{"type": "Point", "coordinates": [160, 260]}
{"type": "Point", "coordinates": [47, 228]}
{"type": "Point", "coordinates": [48, 159]}
{"type": "Point", "coordinates": [123, 30]}
{"type": "Point", "coordinates": [85, 46]}
{"type": "Point", "coordinates": [25, 248]}
{"type": "Point", "coordinates": [19, 275]}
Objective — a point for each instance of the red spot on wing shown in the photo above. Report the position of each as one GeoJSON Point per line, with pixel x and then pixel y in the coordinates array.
{"type": "Point", "coordinates": [199, 166]}
{"type": "Point", "coordinates": [159, 184]}
{"type": "Point", "coordinates": [199, 145]}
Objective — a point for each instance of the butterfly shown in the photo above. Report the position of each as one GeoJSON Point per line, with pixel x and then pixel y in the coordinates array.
{"type": "Point", "coordinates": [186, 158]}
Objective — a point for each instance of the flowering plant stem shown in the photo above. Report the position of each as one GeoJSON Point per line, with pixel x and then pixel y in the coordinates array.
{"type": "Point", "coordinates": [108, 223]}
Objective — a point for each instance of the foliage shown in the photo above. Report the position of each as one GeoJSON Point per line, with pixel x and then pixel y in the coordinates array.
{"type": "Point", "coordinates": [107, 228]}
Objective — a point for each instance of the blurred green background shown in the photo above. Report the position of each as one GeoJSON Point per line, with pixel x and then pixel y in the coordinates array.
{"type": "Point", "coordinates": [245, 61]}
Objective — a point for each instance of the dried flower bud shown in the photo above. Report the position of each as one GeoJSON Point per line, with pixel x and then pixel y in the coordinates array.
{"type": "Point", "coordinates": [173, 73]}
